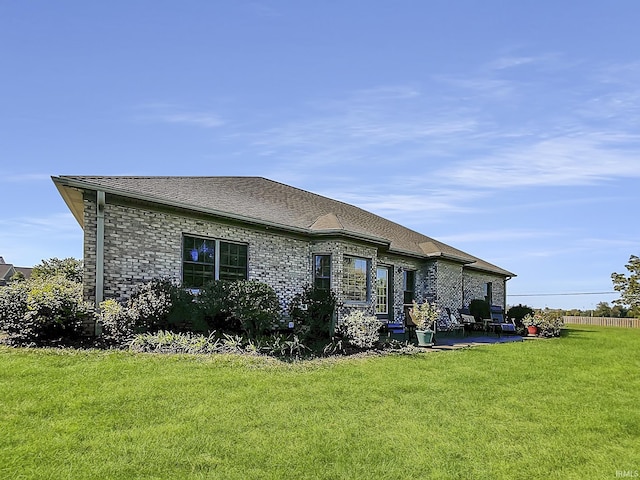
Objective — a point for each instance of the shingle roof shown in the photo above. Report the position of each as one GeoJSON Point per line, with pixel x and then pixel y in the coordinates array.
{"type": "Point", "coordinates": [261, 201]}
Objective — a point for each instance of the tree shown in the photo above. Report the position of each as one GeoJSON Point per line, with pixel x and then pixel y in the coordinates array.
{"type": "Point", "coordinates": [629, 285]}
{"type": "Point", "coordinates": [69, 268]}
{"type": "Point", "coordinates": [602, 310]}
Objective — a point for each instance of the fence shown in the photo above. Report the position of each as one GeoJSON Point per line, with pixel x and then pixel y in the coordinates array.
{"type": "Point", "coordinates": [604, 321]}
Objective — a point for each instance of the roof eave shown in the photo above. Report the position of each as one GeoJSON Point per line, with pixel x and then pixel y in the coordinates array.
{"type": "Point", "coordinates": [495, 271]}
{"type": "Point", "coordinates": [64, 184]}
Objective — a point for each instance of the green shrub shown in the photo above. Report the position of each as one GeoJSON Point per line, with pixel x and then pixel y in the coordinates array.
{"type": "Point", "coordinates": [43, 309]}
{"type": "Point", "coordinates": [480, 309]}
{"type": "Point", "coordinates": [150, 305]}
{"type": "Point", "coordinates": [518, 312]}
{"type": "Point", "coordinates": [360, 330]}
{"type": "Point", "coordinates": [70, 268]}
{"type": "Point", "coordinates": [215, 307]}
{"type": "Point", "coordinates": [312, 313]}
{"type": "Point", "coordinates": [118, 326]}
{"type": "Point", "coordinates": [248, 306]}
{"type": "Point", "coordinates": [255, 304]}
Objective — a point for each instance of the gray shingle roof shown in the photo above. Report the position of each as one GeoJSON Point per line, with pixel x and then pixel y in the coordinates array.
{"type": "Point", "coordinates": [261, 201]}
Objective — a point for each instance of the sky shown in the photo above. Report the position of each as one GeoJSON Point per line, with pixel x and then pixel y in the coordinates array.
{"type": "Point", "coordinates": [509, 130]}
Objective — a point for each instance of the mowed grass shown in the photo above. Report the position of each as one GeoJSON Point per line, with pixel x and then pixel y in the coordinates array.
{"type": "Point", "coordinates": [560, 408]}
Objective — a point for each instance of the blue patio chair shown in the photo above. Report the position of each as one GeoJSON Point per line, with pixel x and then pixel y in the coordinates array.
{"type": "Point", "coordinates": [498, 320]}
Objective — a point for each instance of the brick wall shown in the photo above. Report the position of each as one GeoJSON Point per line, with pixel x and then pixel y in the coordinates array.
{"type": "Point", "coordinates": [474, 282]}
{"type": "Point", "coordinates": [144, 242]}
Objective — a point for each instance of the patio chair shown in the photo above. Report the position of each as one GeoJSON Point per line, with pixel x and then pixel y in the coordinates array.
{"type": "Point", "coordinates": [451, 323]}
{"type": "Point", "coordinates": [468, 320]}
{"type": "Point", "coordinates": [497, 319]}
{"type": "Point", "coordinates": [409, 326]}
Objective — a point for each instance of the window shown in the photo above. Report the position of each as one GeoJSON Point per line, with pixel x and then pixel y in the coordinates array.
{"type": "Point", "coordinates": [409, 285]}
{"type": "Point", "coordinates": [233, 261]}
{"type": "Point", "coordinates": [382, 291]}
{"type": "Point", "coordinates": [322, 272]}
{"type": "Point", "coordinates": [355, 280]}
{"type": "Point", "coordinates": [205, 259]}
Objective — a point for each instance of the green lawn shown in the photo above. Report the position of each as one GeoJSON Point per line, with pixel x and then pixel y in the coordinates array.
{"type": "Point", "coordinates": [560, 408]}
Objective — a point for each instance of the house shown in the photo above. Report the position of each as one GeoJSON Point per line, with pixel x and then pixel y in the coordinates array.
{"type": "Point", "coordinates": [7, 271]}
{"type": "Point", "coordinates": [194, 229]}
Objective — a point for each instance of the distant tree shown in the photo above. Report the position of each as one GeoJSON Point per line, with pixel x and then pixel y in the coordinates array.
{"type": "Point", "coordinates": [602, 310]}
{"type": "Point", "coordinates": [69, 268]}
{"type": "Point", "coordinates": [619, 311]}
{"type": "Point", "coordinates": [629, 286]}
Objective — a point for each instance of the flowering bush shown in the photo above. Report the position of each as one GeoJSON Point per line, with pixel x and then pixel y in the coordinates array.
{"type": "Point", "coordinates": [549, 323]}
{"type": "Point", "coordinates": [423, 315]}
{"type": "Point", "coordinates": [360, 330]}
{"type": "Point", "coordinates": [43, 309]}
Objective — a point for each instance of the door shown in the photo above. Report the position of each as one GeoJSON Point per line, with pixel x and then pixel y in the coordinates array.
{"type": "Point", "coordinates": [383, 293]}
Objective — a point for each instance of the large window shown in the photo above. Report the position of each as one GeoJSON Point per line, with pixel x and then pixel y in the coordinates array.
{"type": "Point", "coordinates": [322, 272]}
{"type": "Point", "coordinates": [355, 279]}
{"type": "Point", "coordinates": [205, 259]}
{"type": "Point", "coordinates": [409, 285]}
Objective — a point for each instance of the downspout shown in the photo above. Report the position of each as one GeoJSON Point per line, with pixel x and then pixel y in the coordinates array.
{"type": "Point", "coordinates": [100, 247]}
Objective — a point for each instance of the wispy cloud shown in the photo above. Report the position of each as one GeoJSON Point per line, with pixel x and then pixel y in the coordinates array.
{"type": "Point", "coordinates": [59, 225]}
{"type": "Point", "coordinates": [496, 235]}
{"type": "Point", "coordinates": [562, 161]}
{"type": "Point", "coordinates": [169, 113]}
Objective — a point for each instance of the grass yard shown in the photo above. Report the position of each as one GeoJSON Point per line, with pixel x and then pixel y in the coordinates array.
{"type": "Point", "coordinates": [560, 408]}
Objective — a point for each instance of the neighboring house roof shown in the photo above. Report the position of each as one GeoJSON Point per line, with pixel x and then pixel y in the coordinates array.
{"type": "Point", "coordinates": [260, 201]}
{"type": "Point", "coordinates": [7, 270]}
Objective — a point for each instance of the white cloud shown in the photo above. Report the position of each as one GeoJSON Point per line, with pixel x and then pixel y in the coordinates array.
{"type": "Point", "coordinates": [561, 161]}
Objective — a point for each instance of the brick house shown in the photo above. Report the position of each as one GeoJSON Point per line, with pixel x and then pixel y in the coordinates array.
{"type": "Point", "coordinates": [193, 229]}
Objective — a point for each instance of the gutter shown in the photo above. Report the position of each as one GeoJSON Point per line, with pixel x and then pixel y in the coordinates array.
{"type": "Point", "coordinates": [100, 197]}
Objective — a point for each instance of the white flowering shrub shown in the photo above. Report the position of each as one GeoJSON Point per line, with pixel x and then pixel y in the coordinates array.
{"type": "Point", "coordinates": [360, 330]}
{"type": "Point", "coordinates": [549, 323]}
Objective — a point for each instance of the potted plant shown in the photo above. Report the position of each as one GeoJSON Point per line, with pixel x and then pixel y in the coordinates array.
{"type": "Point", "coordinates": [423, 316]}
{"type": "Point", "coordinates": [544, 323]}
{"type": "Point", "coordinates": [532, 321]}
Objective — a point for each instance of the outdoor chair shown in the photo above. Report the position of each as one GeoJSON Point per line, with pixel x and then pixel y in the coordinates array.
{"type": "Point", "coordinates": [497, 319]}
{"type": "Point", "coordinates": [396, 327]}
{"type": "Point", "coordinates": [451, 323]}
{"type": "Point", "coordinates": [468, 320]}
{"type": "Point", "coordinates": [409, 326]}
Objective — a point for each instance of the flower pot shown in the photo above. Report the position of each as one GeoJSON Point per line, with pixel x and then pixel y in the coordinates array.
{"type": "Point", "coordinates": [532, 330]}
{"type": "Point", "coordinates": [425, 338]}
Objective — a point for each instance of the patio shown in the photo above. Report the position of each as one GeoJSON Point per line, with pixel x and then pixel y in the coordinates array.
{"type": "Point", "coordinates": [451, 341]}
{"type": "Point", "coordinates": [456, 342]}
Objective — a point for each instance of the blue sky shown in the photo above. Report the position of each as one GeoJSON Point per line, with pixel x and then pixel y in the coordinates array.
{"type": "Point", "coordinates": [510, 130]}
